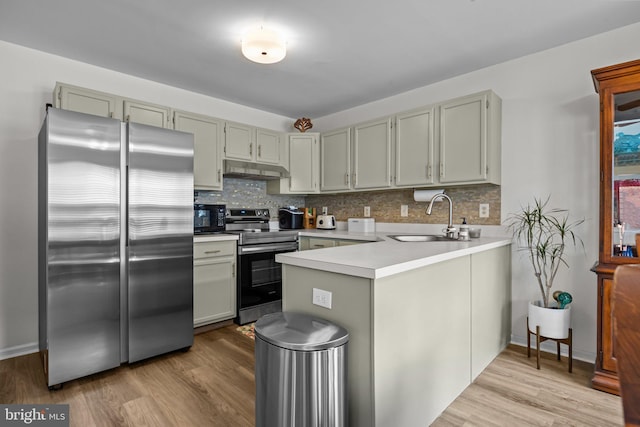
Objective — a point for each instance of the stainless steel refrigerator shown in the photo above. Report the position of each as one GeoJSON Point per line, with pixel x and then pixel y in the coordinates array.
{"type": "Point", "coordinates": [115, 252]}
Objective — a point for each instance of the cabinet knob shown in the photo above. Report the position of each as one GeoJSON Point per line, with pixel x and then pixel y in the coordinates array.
{"type": "Point", "coordinates": [251, 149]}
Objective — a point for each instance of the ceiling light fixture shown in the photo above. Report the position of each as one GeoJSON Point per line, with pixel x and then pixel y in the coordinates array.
{"type": "Point", "coordinates": [264, 46]}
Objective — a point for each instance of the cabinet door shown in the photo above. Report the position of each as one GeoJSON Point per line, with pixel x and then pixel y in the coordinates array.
{"type": "Point", "coordinates": [238, 143]}
{"type": "Point", "coordinates": [87, 101]}
{"type": "Point", "coordinates": [268, 143]}
{"type": "Point", "coordinates": [608, 355]}
{"type": "Point", "coordinates": [335, 160]}
{"type": "Point", "coordinates": [463, 139]}
{"type": "Point", "coordinates": [414, 148]}
{"type": "Point", "coordinates": [303, 163]}
{"type": "Point", "coordinates": [207, 139]}
{"type": "Point", "coordinates": [372, 155]}
{"type": "Point", "coordinates": [146, 114]}
{"type": "Point", "coordinates": [214, 290]}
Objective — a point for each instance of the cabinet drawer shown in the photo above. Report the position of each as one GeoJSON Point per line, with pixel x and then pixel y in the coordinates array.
{"type": "Point", "coordinates": [321, 243]}
{"type": "Point", "coordinates": [213, 249]}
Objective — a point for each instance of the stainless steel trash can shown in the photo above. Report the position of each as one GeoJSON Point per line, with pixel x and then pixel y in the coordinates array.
{"type": "Point", "coordinates": [301, 371]}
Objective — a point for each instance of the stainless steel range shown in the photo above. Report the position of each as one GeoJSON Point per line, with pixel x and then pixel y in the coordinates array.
{"type": "Point", "coordinates": [259, 275]}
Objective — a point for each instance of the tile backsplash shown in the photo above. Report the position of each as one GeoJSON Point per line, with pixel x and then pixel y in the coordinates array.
{"type": "Point", "coordinates": [248, 193]}
{"type": "Point", "coordinates": [384, 205]}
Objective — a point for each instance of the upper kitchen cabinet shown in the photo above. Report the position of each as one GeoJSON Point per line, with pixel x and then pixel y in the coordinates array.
{"type": "Point", "coordinates": [268, 146]}
{"type": "Point", "coordinates": [469, 139]}
{"type": "Point", "coordinates": [247, 143]}
{"type": "Point", "coordinates": [239, 141]}
{"type": "Point", "coordinates": [303, 163]}
{"type": "Point", "coordinates": [87, 101]}
{"type": "Point", "coordinates": [208, 140]}
{"type": "Point", "coordinates": [147, 114]}
{"type": "Point", "coordinates": [619, 226]}
{"type": "Point", "coordinates": [68, 97]}
{"type": "Point", "coordinates": [335, 160]}
{"type": "Point", "coordinates": [372, 155]}
{"type": "Point", "coordinates": [414, 148]}
{"type": "Point", "coordinates": [303, 154]}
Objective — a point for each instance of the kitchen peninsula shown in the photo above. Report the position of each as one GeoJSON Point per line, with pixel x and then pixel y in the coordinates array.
{"type": "Point", "coordinates": [424, 319]}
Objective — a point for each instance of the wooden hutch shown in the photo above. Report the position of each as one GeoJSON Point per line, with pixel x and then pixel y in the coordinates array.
{"type": "Point", "coordinates": [619, 90]}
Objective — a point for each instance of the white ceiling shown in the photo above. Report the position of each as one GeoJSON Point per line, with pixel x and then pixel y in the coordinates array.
{"type": "Point", "coordinates": [341, 53]}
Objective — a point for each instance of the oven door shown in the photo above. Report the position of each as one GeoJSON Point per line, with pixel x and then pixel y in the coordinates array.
{"type": "Point", "coordinates": [259, 275]}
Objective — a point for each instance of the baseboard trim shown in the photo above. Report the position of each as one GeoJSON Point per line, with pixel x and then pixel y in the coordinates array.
{"type": "Point", "coordinates": [19, 350]}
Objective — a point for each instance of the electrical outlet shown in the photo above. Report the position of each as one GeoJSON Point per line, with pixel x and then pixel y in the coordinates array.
{"type": "Point", "coordinates": [484, 210]}
{"type": "Point", "coordinates": [367, 211]}
{"type": "Point", "coordinates": [404, 210]}
{"type": "Point", "coordinates": [321, 298]}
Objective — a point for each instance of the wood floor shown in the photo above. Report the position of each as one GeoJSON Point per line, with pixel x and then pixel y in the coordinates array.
{"type": "Point", "coordinates": [213, 385]}
{"type": "Point", "coordinates": [512, 392]}
{"type": "Point", "coordinates": [210, 385]}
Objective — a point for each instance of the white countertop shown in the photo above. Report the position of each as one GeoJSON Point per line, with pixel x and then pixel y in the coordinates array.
{"type": "Point", "coordinates": [218, 237]}
{"type": "Point", "coordinates": [384, 256]}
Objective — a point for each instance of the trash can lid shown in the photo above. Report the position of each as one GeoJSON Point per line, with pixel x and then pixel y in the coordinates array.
{"type": "Point", "coordinates": [297, 331]}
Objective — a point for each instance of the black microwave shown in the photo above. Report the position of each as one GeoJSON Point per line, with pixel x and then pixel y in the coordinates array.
{"type": "Point", "coordinates": [208, 218]}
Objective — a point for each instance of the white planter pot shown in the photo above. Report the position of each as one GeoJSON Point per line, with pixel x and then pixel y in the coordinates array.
{"type": "Point", "coordinates": [553, 322]}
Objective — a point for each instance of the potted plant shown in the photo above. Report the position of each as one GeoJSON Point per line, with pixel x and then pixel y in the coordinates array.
{"type": "Point", "coordinates": [544, 234]}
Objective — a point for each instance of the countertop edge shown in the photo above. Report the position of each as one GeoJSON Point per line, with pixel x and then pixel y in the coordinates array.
{"type": "Point", "coordinates": [307, 259]}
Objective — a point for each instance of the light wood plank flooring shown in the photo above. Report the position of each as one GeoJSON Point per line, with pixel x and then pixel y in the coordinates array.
{"type": "Point", "coordinates": [213, 385]}
{"type": "Point", "coordinates": [512, 392]}
{"type": "Point", "coordinates": [210, 385]}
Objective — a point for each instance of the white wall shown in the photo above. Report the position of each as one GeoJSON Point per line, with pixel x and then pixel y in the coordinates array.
{"type": "Point", "coordinates": [27, 79]}
{"type": "Point", "coordinates": [549, 137]}
{"type": "Point", "coordinates": [549, 146]}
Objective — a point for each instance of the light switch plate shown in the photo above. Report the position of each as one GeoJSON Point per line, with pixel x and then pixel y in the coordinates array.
{"type": "Point", "coordinates": [404, 210]}
{"type": "Point", "coordinates": [484, 210]}
{"type": "Point", "coordinates": [322, 298]}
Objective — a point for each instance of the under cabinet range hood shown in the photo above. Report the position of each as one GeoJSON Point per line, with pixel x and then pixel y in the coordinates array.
{"type": "Point", "coordinates": [239, 169]}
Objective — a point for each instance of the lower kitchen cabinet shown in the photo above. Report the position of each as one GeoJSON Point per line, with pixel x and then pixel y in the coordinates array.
{"type": "Point", "coordinates": [214, 282]}
{"type": "Point", "coordinates": [307, 243]}
{"type": "Point", "coordinates": [417, 337]}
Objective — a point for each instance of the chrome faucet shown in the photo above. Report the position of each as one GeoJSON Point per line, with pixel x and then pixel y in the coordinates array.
{"type": "Point", "coordinates": [451, 230]}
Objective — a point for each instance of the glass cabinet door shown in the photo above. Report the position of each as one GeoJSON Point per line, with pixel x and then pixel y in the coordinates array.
{"type": "Point", "coordinates": [626, 174]}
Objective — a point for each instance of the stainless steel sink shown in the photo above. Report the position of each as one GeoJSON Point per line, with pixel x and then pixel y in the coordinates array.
{"type": "Point", "coordinates": [421, 238]}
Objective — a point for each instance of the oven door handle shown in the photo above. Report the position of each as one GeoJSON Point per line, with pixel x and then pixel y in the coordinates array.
{"type": "Point", "coordinates": [284, 247]}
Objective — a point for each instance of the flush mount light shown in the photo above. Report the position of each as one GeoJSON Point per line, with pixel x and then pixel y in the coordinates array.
{"type": "Point", "coordinates": [264, 46]}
